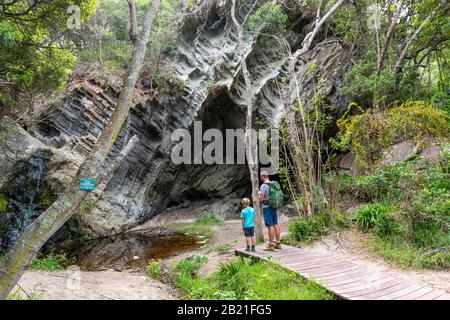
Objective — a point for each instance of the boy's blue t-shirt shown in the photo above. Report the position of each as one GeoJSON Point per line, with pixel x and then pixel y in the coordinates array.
{"type": "Point", "coordinates": [247, 214]}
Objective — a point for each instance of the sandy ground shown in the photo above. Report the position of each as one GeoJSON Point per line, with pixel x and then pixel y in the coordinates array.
{"type": "Point", "coordinates": [104, 285]}
{"type": "Point", "coordinates": [128, 285]}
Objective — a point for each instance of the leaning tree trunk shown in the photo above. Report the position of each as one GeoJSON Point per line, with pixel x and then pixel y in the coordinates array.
{"type": "Point", "coordinates": [31, 241]}
{"type": "Point", "coordinates": [252, 157]}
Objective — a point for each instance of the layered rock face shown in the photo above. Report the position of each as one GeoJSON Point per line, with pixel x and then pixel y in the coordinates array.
{"type": "Point", "coordinates": [208, 69]}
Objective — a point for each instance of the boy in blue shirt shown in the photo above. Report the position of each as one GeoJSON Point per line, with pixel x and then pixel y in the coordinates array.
{"type": "Point", "coordinates": [248, 224]}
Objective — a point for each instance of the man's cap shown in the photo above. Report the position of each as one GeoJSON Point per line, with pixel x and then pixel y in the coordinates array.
{"type": "Point", "coordinates": [264, 173]}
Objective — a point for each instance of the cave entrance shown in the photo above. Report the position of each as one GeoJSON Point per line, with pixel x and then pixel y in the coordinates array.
{"type": "Point", "coordinates": [213, 183]}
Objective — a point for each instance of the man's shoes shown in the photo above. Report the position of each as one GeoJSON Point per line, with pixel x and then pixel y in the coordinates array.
{"type": "Point", "coordinates": [277, 245]}
{"type": "Point", "coordinates": [253, 249]}
{"type": "Point", "coordinates": [269, 247]}
{"type": "Point", "coordinates": [248, 249]}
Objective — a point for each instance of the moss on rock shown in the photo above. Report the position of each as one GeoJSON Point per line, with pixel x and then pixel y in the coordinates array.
{"type": "Point", "coordinates": [3, 203]}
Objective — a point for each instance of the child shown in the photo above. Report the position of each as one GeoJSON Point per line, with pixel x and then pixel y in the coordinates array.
{"type": "Point", "coordinates": [248, 225]}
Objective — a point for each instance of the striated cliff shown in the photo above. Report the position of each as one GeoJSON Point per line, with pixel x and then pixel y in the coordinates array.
{"type": "Point", "coordinates": [206, 85]}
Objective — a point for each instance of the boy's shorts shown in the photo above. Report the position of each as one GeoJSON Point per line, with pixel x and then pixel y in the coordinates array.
{"type": "Point", "coordinates": [270, 216]}
{"type": "Point", "coordinates": [249, 232]}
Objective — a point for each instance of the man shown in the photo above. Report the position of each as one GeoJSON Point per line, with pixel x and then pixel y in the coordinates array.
{"type": "Point", "coordinates": [270, 214]}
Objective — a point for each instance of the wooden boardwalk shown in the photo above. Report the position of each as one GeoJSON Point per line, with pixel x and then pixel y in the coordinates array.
{"type": "Point", "coordinates": [347, 279]}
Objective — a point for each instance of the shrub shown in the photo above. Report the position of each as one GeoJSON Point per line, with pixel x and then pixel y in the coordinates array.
{"type": "Point", "coordinates": [52, 262]}
{"type": "Point", "coordinates": [271, 16]}
{"type": "Point", "coordinates": [310, 229]}
{"type": "Point", "coordinates": [371, 215]}
{"type": "Point", "coordinates": [86, 207]}
{"type": "Point", "coordinates": [154, 269]}
{"type": "Point", "coordinates": [340, 219]}
{"type": "Point", "coordinates": [187, 270]}
{"type": "Point", "coordinates": [368, 134]}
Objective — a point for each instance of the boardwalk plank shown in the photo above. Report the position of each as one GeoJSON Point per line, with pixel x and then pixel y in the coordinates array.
{"type": "Point", "coordinates": [345, 278]}
{"type": "Point", "coordinates": [417, 294]}
{"type": "Point", "coordinates": [375, 293]}
{"type": "Point", "coordinates": [432, 295]}
{"type": "Point", "coordinates": [369, 287]}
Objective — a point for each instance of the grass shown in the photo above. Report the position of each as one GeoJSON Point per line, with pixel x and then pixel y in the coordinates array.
{"type": "Point", "coordinates": [223, 248]}
{"type": "Point", "coordinates": [18, 294]}
{"type": "Point", "coordinates": [243, 279]}
{"type": "Point", "coordinates": [52, 262]}
{"type": "Point", "coordinates": [154, 270]}
{"type": "Point", "coordinates": [406, 256]}
{"type": "Point", "coordinates": [202, 226]}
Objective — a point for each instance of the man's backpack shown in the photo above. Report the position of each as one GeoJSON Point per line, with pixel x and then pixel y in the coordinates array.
{"type": "Point", "coordinates": [275, 195]}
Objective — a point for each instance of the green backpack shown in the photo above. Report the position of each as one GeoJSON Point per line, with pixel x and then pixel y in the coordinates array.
{"type": "Point", "coordinates": [275, 195]}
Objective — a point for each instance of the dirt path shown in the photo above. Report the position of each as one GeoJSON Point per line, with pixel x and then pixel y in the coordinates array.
{"type": "Point", "coordinates": [103, 285]}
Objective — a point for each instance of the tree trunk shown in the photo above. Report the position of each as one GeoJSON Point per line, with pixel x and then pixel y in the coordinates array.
{"type": "Point", "coordinates": [133, 20]}
{"type": "Point", "coordinates": [252, 158]}
{"type": "Point", "coordinates": [34, 237]}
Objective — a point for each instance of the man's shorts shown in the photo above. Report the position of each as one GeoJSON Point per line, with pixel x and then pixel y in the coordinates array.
{"type": "Point", "coordinates": [270, 216]}
{"type": "Point", "coordinates": [249, 232]}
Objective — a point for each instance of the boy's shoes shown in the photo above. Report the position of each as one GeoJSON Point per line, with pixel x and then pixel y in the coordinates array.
{"type": "Point", "coordinates": [269, 247]}
{"type": "Point", "coordinates": [248, 249]}
{"type": "Point", "coordinates": [277, 245]}
{"type": "Point", "coordinates": [253, 249]}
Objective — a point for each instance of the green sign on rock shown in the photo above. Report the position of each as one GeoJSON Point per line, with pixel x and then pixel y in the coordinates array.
{"type": "Point", "coordinates": [87, 184]}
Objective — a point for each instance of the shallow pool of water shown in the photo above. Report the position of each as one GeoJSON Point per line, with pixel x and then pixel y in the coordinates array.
{"type": "Point", "coordinates": [129, 250]}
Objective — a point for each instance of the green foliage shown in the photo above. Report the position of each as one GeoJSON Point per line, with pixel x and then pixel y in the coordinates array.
{"type": "Point", "coordinates": [404, 255]}
{"type": "Point", "coordinates": [209, 219]}
{"type": "Point", "coordinates": [242, 279]}
{"type": "Point", "coordinates": [3, 203]}
{"type": "Point", "coordinates": [409, 225]}
{"type": "Point", "coordinates": [52, 262]}
{"type": "Point", "coordinates": [154, 269]}
{"type": "Point", "coordinates": [367, 135]}
{"type": "Point", "coordinates": [46, 197]}
{"type": "Point", "coordinates": [423, 74]}
{"type": "Point", "coordinates": [361, 82]}
{"type": "Point", "coordinates": [106, 42]}
{"type": "Point", "coordinates": [34, 55]}
{"type": "Point", "coordinates": [86, 207]}
{"type": "Point", "coordinates": [269, 16]}
{"type": "Point", "coordinates": [223, 248]}
{"type": "Point", "coordinates": [202, 226]}
{"type": "Point", "coordinates": [310, 229]}
{"type": "Point", "coordinates": [186, 270]}
{"type": "Point", "coordinates": [371, 215]}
